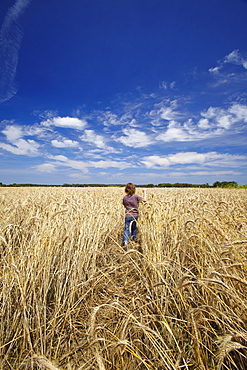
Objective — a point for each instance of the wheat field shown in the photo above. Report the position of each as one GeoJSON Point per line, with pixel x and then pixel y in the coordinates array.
{"type": "Point", "coordinates": [72, 298]}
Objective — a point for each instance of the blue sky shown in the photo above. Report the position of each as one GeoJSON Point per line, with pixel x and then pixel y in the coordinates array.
{"type": "Point", "coordinates": [112, 91]}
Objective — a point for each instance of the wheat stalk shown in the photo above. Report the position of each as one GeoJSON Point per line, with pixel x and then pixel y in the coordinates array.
{"type": "Point", "coordinates": [69, 292]}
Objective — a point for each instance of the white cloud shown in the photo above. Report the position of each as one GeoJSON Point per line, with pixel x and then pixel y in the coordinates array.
{"type": "Point", "coordinates": [174, 132]}
{"type": "Point", "coordinates": [212, 113]}
{"type": "Point", "coordinates": [239, 111]}
{"type": "Point", "coordinates": [13, 132]}
{"type": "Point", "coordinates": [109, 119]}
{"type": "Point", "coordinates": [188, 131]}
{"type": "Point", "coordinates": [65, 143]}
{"type": "Point", "coordinates": [65, 122]}
{"type": "Point", "coordinates": [166, 85]}
{"type": "Point", "coordinates": [34, 130]}
{"type": "Point", "coordinates": [46, 167]}
{"type": "Point", "coordinates": [166, 110]}
{"type": "Point", "coordinates": [236, 58]}
{"type": "Point", "coordinates": [213, 173]}
{"type": "Point", "coordinates": [154, 160]}
{"type": "Point", "coordinates": [108, 163]}
{"type": "Point", "coordinates": [204, 124]}
{"type": "Point", "coordinates": [61, 160]}
{"type": "Point", "coordinates": [22, 147]}
{"type": "Point", "coordinates": [173, 159]}
{"type": "Point", "coordinates": [215, 122]}
{"type": "Point", "coordinates": [19, 146]}
{"type": "Point", "coordinates": [226, 70]}
{"type": "Point", "coordinates": [225, 121]}
{"type": "Point", "coordinates": [97, 140]}
{"type": "Point", "coordinates": [46, 114]}
{"type": "Point", "coordinates": [172, 85]}
{"type": "Point", "coordinates": [225, 118]}
{"type": "Point", "coordinates": [163, 85]}
{"type": "Point", "coordinates": [169, 113]}
{"type": "Point", "coordinates": [135, 138]}
{"type": "Point", "coordinates": [215, 70]}
{"type": "Point", "coordinates": [188, 157]}
{"type": "Point", "coordinates": [79, 175]}
{"type": "Point", "coordinates": [210, 159]}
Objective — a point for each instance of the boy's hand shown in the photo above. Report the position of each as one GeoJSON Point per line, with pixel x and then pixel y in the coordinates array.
{"type": "Point", "coordinates": [144, 192]}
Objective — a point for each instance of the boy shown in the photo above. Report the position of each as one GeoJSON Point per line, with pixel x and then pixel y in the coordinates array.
{"type": "Point", "coordinates": [131, 203]}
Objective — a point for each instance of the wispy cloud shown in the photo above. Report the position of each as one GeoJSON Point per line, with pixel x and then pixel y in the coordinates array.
{"type": "Point", "coordinates": [10, 43]}
{"type": "Point", "coordinates": [109, 164]}
{"type": "Point", "coordinates": [210, 159]}
{"type": "Point", "coordinates": [232, 68]}
{"type": "Point", "coordinates": [236, 58]}
{"type": "Point", "coordinates": [111, 119]}
{"type": "Point", "coordinates": [166, 110]}
{"type": "Point", "coordinates": [63, 161]}
{"type": "Point", "coordinates": [213, 173]}
{"type": "Point", "coordinates": [81, 165]}
{"type": "Point", "coordinates": [97, 140]}
{"type": "Point", "coordinates": [167, 85]}
{"type": "Point", "coordinates": [45, 167]}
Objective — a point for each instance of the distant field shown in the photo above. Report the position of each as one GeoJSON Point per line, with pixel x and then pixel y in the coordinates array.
{"type": "Point", "coordinates": [71, 298]}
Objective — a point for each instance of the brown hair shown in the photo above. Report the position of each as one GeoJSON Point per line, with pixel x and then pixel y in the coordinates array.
{"type": "Point", "coordinates": [130, 188]}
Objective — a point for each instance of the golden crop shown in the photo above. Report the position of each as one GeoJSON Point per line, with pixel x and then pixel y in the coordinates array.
{"type": "Point", "coordinates": [72, 298]}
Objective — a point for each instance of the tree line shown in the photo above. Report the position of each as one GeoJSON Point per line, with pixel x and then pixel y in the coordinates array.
{"type": "Point", "coordinates": [217, 184]}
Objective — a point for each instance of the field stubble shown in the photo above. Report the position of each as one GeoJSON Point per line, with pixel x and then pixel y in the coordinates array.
{"type": "Point", "coordinates": [71, 298]}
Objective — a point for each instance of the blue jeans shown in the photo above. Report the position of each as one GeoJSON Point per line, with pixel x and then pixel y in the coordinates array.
{"type": "Point", "coordinates": [130, 229]}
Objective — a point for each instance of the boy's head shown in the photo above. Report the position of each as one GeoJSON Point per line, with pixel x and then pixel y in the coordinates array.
{"type": "Point", "coordinates": [130, 188]}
